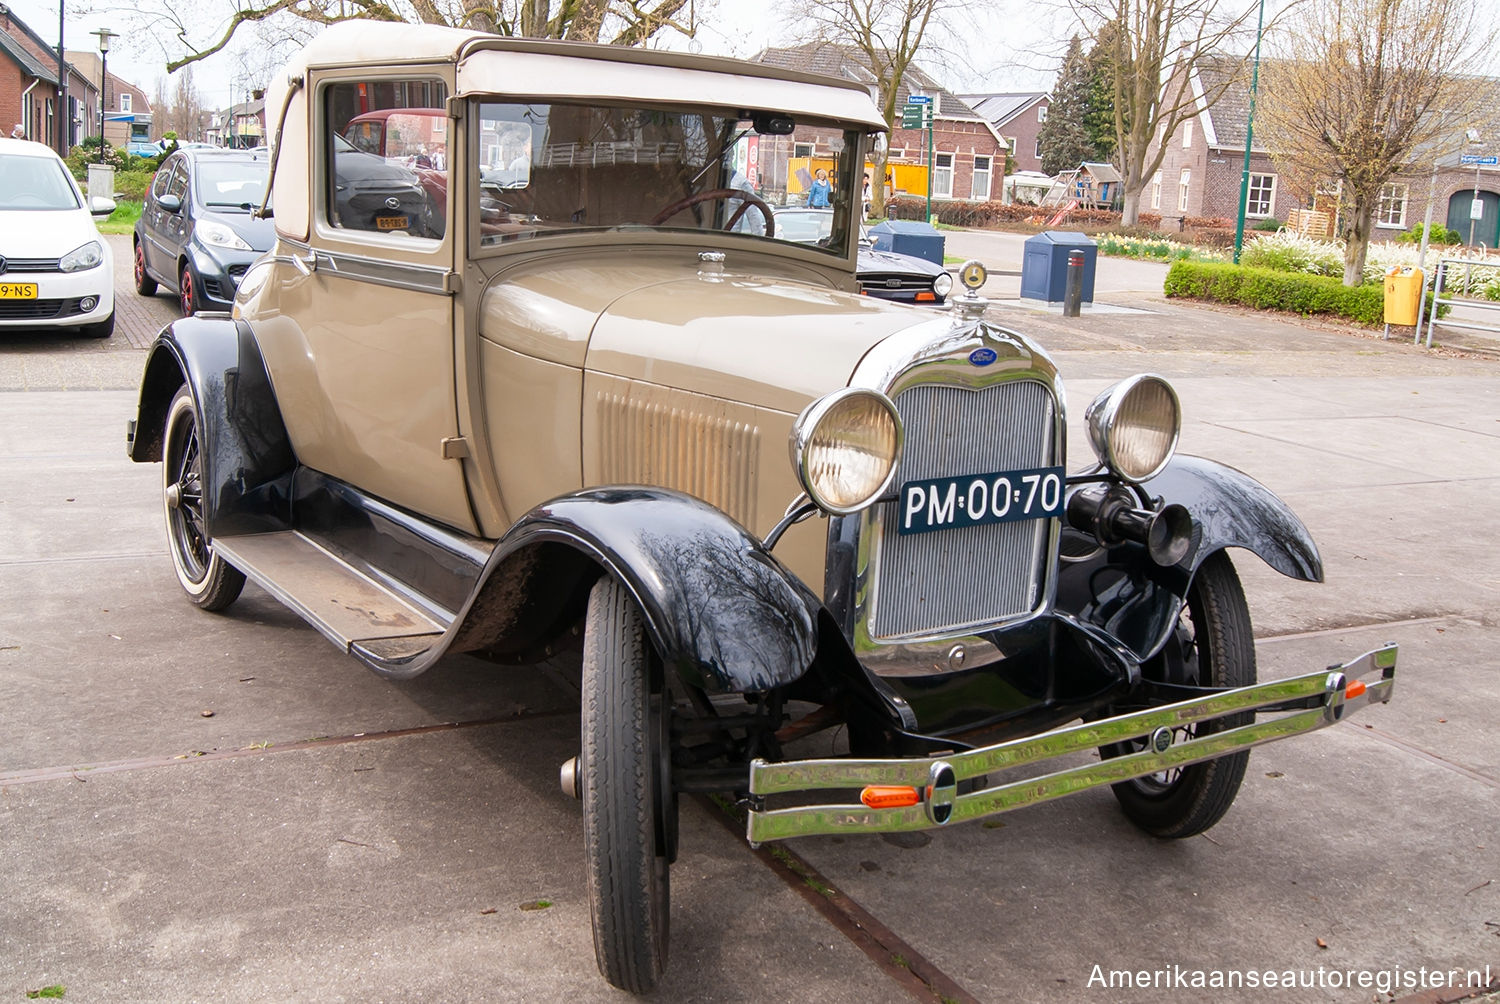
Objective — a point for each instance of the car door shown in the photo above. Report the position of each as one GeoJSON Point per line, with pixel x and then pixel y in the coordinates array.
{"type": "Point", "coordinates": [163, 234]}
{"type": "Point", "coordinates": [151, 214]}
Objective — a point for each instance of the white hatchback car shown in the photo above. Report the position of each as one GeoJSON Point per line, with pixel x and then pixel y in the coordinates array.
{"type": "Point", "coordinates": [55, 269]}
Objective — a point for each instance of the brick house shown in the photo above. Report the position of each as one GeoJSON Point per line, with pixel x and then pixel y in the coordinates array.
{"type": "Point", "coordinates": [29, 86]}
{"type": "Point", "coordinates": [1201, 172]}
{"type": "Point", "coordinates": [968, 160]}
{"type": "Point", "coordinates": [1018, 117]}
{"type": "Point", "coordinates": [127, 110]}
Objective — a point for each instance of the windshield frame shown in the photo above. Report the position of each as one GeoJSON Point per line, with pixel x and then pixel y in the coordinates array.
{"type": "Point", "coordinates": [856, 138]}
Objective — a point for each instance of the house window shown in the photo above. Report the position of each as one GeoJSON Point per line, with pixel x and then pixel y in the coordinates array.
{"type": "Point", "coordinates": [981, 187]}
{"type": "Point", "coordinates": [1041, 113]}
{"type": "Point", "coordinates": [1187, 134]}
{"type": "Point", "coordinates": [1011, 143]}
{"type": "Point", "coordinates": [1038, 153]}
{"type": "Point", "coordinates": [1261, 196]}
{"type": "Point", "coordinates": [1156, 190]}
{"type": "Point", "coordinates": [125, 101]}
{"type": "Point", "coordinates": [1182, 189]}
{"type": "Point", "coordinates": [1392, 209]}
{"type": "Point", "coordinates": [802, 149]}
{"type": "Point", "coordinates": [942, 176]}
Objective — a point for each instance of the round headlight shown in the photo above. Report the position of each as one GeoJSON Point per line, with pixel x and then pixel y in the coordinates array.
{"type": "Point", "coordinates": [943, 284]}
{"type": "Point", "coordinates": [1134, 425]}
{"type": "Point", "coordinates": [844, 448]}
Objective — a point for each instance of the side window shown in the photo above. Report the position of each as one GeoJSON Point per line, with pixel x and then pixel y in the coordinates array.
{"type": "Point", "coordinates": [387, 157]}
{"type": "Point", "coordinates": [177, 184]}
{"type": "Point", "coordinates": [163, 176]}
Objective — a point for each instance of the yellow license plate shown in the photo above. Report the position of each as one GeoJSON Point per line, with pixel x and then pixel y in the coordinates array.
{"type": "Point", "coordinates": [17, 291]}
{"type": "Point", "coordinates": [390, 222]}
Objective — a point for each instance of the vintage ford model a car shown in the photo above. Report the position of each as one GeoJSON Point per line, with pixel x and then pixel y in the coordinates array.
{"type": "Point", "coordinates": [562, 402]}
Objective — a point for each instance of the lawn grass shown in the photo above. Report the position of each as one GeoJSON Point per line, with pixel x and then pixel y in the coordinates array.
{"type": "Point", "coordinates": [122, 220]}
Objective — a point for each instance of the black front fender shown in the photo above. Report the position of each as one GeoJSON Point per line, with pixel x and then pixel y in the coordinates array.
{"type": "Point", "coordinates": [246, 454]}
{"type": "Point", "coordinates": [721, 611]}
{"type": "Point", "coordinates": [1121, 592]}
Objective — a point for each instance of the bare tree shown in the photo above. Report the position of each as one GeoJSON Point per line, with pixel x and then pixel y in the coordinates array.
{"type": "Point", "coordinates": [1152, 49]}
{"type": "Point", "coordinates": [200, 34]}
{"type": "Point", "coordinates": [884, 35]}
{"type": "Point", "coordinates": [1361, 91]}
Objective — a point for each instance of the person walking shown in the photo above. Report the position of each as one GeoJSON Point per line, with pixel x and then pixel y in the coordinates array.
{"type": "Point", "coordinates": [817, 195]}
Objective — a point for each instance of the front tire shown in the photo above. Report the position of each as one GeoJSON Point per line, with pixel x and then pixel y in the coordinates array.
{"type": "Point", "coordinates": [629, 810]}
{"type": "Point", "coordinates": [210, 581]}
{"type": "Point", "coordinates": [187, 299]}
{"type": "Point", "coordinates": [1213, 646]}
{"type": "Point", "coordinates": [100, 329]}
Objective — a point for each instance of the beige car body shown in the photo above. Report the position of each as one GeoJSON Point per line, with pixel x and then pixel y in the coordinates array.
{"type": "Point", "coordinates": [579, 361]}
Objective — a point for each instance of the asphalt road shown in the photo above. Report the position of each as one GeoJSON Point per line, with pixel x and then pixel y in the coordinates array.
{"type": "Point", "coordinates": [328, 835]}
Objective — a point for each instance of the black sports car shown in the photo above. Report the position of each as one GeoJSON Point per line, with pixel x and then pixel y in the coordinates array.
{"type": "Point", "coordinates": [886, 274]}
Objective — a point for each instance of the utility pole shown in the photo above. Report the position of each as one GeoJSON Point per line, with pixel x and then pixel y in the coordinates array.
{"type": "Point", "coordinates": [1239, 225]}
{"type": "Point", "coordinates": [63, 119]}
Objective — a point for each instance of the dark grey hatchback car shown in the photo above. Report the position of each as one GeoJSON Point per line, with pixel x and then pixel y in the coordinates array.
{"type": "Point", "coordinates": [196, 234]}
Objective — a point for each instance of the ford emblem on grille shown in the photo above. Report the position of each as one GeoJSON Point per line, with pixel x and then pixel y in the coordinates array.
{"type": "Point", "coordinates": [982, 357]}
{"type": "Point", "coordinates": [893, 284]}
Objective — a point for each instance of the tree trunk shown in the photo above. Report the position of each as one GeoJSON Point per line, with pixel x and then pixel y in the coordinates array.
{"type": "Point", "coordinates": [1130, 215]}
{"type": "Point", "coordinates": [879, 158]}
{"type": "Point", "coordinates": [1356, 234]}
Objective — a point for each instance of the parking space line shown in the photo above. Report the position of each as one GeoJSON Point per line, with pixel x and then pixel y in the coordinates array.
{"type": "Point", "coordinates": [79, 772]}
{"type": "Point", "coordinates": [907, 967]}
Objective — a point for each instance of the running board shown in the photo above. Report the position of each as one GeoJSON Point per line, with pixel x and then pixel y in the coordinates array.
{"type": "Point", "coordinates": [345, 605]}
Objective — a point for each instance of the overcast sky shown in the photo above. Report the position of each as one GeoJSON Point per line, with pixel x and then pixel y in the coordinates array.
{"type": "Point", "coordinates": [1004, 45]}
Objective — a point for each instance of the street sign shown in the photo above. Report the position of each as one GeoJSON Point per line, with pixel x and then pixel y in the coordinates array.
{"type": "Point", "coordinates": [1474, 158]}
{"type": "Point", "coordinates": [1476, 209]}
{"type": "Point", "coordinates": [919, 99]}
{"type": "Point", "coordinates": [915, 116]}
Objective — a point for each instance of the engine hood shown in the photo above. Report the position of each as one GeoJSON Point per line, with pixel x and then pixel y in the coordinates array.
{"type": "Point", "coordinates": [772, 335]}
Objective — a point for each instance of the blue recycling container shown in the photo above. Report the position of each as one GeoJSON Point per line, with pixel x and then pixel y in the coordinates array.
{"type": "Point", "coordinates": [1044, 265]}
{"type": "Point", "coordinates": [920, 240]}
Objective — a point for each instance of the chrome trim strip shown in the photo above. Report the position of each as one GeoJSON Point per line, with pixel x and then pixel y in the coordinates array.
{"type": "Point", "coordinates": [1331, 684]}
{"type": "Point", "coordinates": [399, 275]}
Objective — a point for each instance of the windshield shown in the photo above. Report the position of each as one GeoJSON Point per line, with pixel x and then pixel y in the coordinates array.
{"type": "Point", "coordinates": [556, 168]}
{"type": "Point", "coordinates": [35, 183]}
{"type": "Point", "coordinates": [230, 184]}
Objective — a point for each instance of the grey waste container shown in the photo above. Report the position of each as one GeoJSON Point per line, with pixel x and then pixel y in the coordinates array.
{"type": "Point", "coordinates": [920, 240]}
{"type": "Point", "coordinates": [1044, 265]}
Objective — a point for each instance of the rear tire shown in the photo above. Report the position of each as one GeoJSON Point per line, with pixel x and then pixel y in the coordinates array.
{"type": "Point", "coordinates": [1213, 646]}
{"type": "Point", "coordinates": [629, 810]}
{"type": "Point", "coordinates": [210, 581]}
{"type": "Point", "coordinates": [144, 284]}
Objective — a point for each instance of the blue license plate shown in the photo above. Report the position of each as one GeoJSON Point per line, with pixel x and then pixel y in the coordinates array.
{"type": "Point", "coordinates": [976, 499]}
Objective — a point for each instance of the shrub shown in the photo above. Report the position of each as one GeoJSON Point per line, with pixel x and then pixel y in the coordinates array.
{"type": "Point", "coordinates": [86, 153]}
{"type": "Point", "coordinates": [1270, 223]}
{"type": "Point", "coordinates": [133, 184]}
{"type": "Point", "coordinates": [1439, 234]}
{"type": "Point", "coordinates": [987, 214]}
{"type": "Point", "coordinates": [1267, 289]}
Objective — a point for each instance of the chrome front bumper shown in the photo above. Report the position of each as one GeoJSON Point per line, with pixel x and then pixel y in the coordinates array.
{"type": "Point", "coordinates": [1316, 700]}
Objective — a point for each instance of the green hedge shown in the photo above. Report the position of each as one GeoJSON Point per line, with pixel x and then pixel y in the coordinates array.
{"type": "Point", "coordinates": [133, 184]}
{"type": "Point", "coordinates": [1298, 293]}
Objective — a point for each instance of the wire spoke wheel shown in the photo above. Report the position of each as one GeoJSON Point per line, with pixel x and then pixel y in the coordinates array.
{"type": "Point", "coordinates": [1212, 646]}
{"type": "Point", "coordinates": [629, 808]}
{"type": "Point", "coordinates": [208, 580]}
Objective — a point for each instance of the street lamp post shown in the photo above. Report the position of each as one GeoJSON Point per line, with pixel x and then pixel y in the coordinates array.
{"type": "Point", "coordinates": [104, 36]}
{"type": "Point", "coordinates": [1239, 225]}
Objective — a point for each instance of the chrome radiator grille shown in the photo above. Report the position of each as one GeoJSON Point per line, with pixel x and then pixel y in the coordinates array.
{"type": "Point", "coordinates": [949, 580]}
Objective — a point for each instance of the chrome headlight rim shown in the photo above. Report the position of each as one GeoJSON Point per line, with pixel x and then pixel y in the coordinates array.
{"type": "Point", "coordinates": [1102, 421]}
{"type": "Point", "coordinates": [82, 258]}
{"type": "Point", "coordinates": [942, 284]}
{"type": "Point", "coordinates": [805, 428]}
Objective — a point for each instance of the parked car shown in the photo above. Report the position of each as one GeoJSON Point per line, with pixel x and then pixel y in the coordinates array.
{"type": "Point", "coordinates": [55, 269]}
{"type": "Point", "coordinates": [197, 233]}
{"type": "Point", "coordinates": [142, 148]}
{"type": "Point", "coordinates": [888, 275]}
{"type": "Point", "coordinates": [571, 414]}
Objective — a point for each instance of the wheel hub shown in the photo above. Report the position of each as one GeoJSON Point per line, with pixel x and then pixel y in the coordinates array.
{"type": "Point", "coordinates": [174, 496]}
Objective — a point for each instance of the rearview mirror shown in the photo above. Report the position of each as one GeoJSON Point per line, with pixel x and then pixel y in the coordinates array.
{"type": "Point", "coordinates": [773, 125]}
{"type": "Point", "coordinates": [171, 203]}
